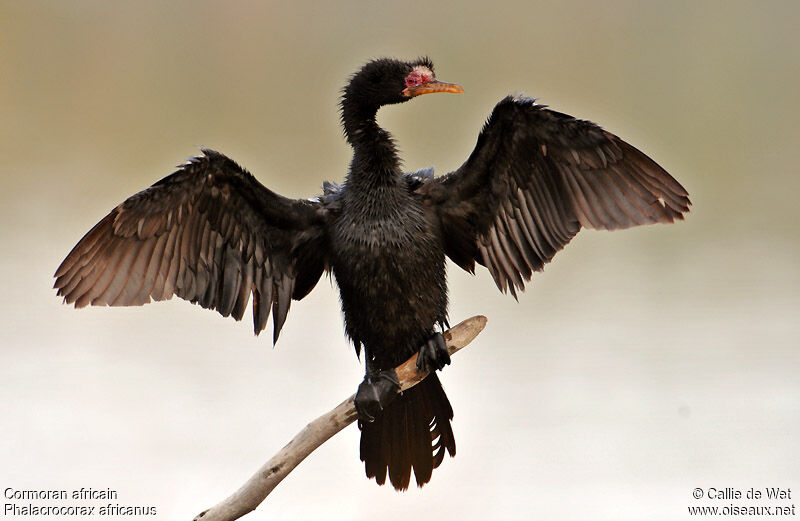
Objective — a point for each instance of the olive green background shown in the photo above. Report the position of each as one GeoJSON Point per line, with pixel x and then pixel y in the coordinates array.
{"type": "Point", "coordinates": [640, 365]}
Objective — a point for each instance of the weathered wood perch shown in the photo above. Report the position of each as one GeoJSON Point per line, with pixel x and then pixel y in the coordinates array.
{"type": "Point", "coordinates": [258, 487]}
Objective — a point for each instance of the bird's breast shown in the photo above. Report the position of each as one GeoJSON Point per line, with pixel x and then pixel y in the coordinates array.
{"type": "Point", "coordinates": [391, 276]}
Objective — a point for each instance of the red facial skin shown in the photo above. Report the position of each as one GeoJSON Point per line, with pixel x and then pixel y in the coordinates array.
{"type": "Point", "coordinates": [418, 77]}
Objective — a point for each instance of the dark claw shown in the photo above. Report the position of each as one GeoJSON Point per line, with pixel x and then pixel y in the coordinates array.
{"type": "Point", "coordinates": [433, 354]}
{"type": "Point", "coordinates": [375, 393]}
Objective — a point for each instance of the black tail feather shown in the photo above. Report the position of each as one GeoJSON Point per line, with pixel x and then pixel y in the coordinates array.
{"type": "Point", "coordinates": [413, 432]}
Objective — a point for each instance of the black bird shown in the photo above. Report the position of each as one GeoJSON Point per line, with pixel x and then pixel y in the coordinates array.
{"type": "Point", "coordinates": [211, 234]}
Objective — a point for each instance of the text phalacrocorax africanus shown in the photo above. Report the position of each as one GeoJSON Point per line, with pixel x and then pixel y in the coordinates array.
{"type": "Point", "coordinates": [211, 234]}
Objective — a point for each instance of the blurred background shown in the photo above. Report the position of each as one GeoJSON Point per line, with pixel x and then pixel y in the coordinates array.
{"type": "Point", "coordinates": [638, 366]}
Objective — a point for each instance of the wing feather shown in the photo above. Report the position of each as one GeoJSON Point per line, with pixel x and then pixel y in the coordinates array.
{"type": "Point", "coordinates": [535, 178]}
{"type": "Point", "coordinates": [149, 287]}
{"type": "Point", "coordinates": [210, 234]}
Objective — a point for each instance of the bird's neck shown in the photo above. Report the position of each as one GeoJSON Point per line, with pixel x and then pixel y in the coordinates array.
{"type": "Point", "coordinates": [376, 164]}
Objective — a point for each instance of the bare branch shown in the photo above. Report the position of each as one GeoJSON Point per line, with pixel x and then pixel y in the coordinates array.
{"type": "Point", "coordinates": [258, 487]}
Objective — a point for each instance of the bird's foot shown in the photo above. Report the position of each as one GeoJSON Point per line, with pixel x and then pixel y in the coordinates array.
{"type": "Point", "coordinates": [433, 354]}
{"type": "Point", "coordinates": [375, 393]}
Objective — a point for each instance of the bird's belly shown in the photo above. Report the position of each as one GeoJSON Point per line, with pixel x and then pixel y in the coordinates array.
{"type": "Point", "coordinates": [393, 289]}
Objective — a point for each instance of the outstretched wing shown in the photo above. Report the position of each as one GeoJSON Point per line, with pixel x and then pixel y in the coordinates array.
{"type": "Point", "coordinates": [535, 177]}
{"type": "Point", "coordinates": [209, 233]}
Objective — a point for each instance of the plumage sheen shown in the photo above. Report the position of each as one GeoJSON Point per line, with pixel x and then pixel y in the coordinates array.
{"type": "Point", "coordinates": [211, 234]}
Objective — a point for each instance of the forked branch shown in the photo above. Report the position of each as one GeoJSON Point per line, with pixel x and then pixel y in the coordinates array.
{"type": "Point", "coordinates": [258, 487]}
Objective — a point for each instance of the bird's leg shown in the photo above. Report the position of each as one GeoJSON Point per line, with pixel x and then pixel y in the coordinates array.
{"type": "Point", "coordinates": [433, 354]}
{"type": "Point", "coordinates": [376, 392]}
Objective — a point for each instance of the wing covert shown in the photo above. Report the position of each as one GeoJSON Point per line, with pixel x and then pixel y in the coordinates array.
{"type": "Point", "coordinates": [209, 233]}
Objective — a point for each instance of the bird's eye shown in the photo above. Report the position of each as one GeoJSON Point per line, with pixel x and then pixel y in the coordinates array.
{"type": "Point", "coordinates": [417, 77]}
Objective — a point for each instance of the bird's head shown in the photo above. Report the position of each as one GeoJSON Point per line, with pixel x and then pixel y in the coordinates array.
{"type": "Point", "coordinates": [385, 81]}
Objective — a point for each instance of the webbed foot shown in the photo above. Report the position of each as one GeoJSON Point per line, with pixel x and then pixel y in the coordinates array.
{"type": "Point", "coordinates": [375, 393]}
{"type": "Point", "coordinates": [433, 354]}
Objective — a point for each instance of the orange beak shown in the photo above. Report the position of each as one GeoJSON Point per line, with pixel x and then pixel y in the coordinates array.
{"type": "Point", "coordinates": [432, 87]}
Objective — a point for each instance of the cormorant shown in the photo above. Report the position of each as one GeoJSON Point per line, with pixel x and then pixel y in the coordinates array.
{"type": "Point", "coordinates": [210, 233]}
